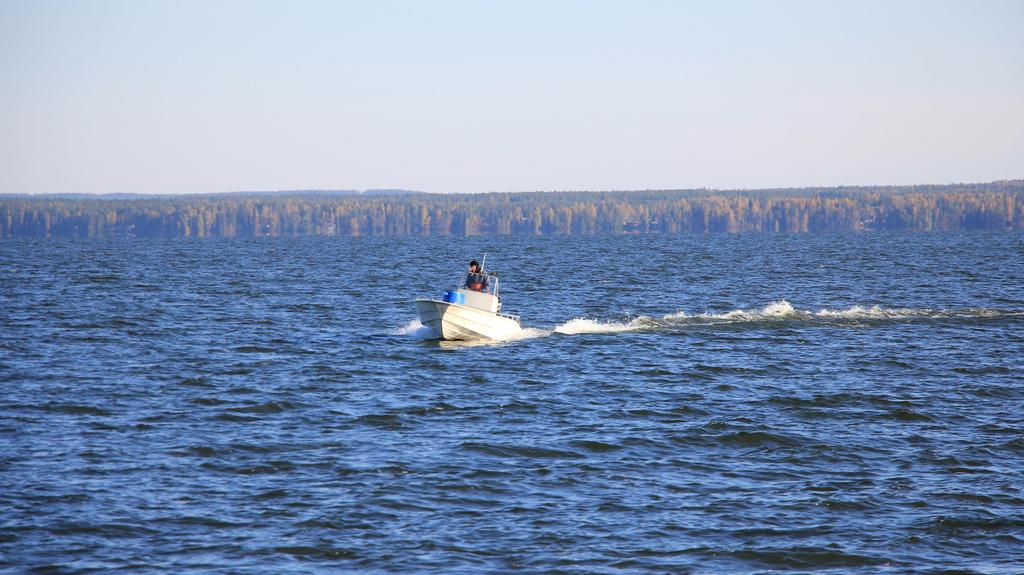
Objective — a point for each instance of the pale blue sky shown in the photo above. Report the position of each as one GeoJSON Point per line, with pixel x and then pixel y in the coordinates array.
{"type": "Point", "coordinates": [211, 96]}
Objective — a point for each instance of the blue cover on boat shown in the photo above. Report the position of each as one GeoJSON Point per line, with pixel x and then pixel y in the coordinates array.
{"type": "Point", "coordinates": [453, 297]}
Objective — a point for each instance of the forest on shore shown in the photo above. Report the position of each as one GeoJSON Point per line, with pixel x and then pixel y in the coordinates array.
{"type": "Point", "coordinates": [953, 207]}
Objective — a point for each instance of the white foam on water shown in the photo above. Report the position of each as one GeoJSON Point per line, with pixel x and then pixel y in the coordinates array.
{"type": "Point", "coordinates": [416, 330]}
{"type": "Point", "coordinates": [879, 312]}
{"type": "Point", "coordinates": [527, 333]}
{"type": "Point", "coordinates": [774, 311]}
{"type": "Point", "coordinates": [876, 312]}
{"type": "Point", "coordinates": [523, 333]}
{"type": "Point", "coordinates": [781, 309]}
{"type": "Point", "coordinates": [583, 325]}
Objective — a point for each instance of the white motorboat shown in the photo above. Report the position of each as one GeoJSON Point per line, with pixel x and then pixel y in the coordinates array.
{"type": "Point", "coordinates": [469, 314]}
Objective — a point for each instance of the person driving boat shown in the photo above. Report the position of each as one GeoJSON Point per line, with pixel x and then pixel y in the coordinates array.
{"type": "Point", "coordinates": [476, 280]}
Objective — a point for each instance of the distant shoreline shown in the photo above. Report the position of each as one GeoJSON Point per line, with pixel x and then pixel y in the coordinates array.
{"type": "Point", "coordinates": [951, 207]}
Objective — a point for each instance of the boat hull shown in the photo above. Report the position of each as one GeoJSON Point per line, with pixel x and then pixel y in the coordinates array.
{"type": "Point", "coordinates": [453, 321]}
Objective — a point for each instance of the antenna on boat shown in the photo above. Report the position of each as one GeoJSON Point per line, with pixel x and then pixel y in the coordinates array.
{"type": "Point", "coordinates": [484, 263]}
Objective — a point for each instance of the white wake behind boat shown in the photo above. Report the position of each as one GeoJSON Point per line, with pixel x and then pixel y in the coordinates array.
{"type": "Point", "coordinates": [467, 314]}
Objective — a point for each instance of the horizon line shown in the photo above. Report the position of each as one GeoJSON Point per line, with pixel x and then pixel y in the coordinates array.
{"type": "Point", "coordinates": [406, 191]}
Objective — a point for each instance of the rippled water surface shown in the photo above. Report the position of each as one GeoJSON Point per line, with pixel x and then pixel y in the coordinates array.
{"type": "Point", "coordinates": [720, 404]}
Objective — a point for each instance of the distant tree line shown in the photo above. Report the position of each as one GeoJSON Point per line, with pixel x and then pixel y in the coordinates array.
{"type": "Point", "coordinates": [990, 206]}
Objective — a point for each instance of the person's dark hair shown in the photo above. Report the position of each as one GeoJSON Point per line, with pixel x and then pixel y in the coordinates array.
{"type": "Point", "coordinates": [475, 264]}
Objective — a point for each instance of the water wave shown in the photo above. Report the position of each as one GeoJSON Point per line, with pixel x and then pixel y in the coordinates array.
{"type": "Point", "coordinates": [779, 311]}
{"type": "Point", "coordinates": [782, 309]}
{"type": "Point", "coordinates": [416, 330]}
{"type": "Point", "coordinates": [775, 310]}
{"type": "Point", "coordinates": [583, 325]}
{"type": "Point", "coordinates": [671, 443]}
{"type": "Point", "coordinates": [527, 333]}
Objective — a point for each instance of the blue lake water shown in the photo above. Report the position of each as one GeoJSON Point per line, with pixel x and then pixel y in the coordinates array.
{"type": "Point", "coordinates": [684, 404]}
